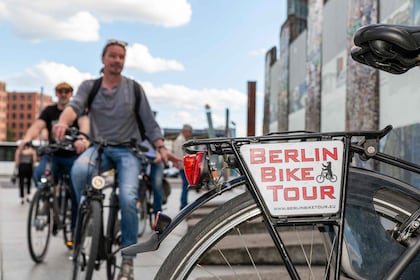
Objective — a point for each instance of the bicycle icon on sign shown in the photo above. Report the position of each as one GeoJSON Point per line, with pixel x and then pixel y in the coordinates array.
{"type": "Point", "coordinates": [326, 173]}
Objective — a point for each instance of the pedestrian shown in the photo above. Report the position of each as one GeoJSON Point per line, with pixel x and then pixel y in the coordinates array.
{"type": "Point", "coordinates": [25, 159]}
{"type": "Point", "coordinates": [62, 160]}
{"type": "Point", "coordinates": [158, 180]}
{"type": "Point", "coordinates": [115, 118]}
{"type": "Point", "coordinates": [185, 135]}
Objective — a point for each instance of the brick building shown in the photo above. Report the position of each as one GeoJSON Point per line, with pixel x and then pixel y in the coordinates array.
{"type": "Point", "coordinates": [18, 111]}
{"type": "Point", "coordinates": [3, 112]}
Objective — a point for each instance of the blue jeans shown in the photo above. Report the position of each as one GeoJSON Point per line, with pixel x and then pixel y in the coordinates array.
{"type": "Point", "coordinates": [128, 167]}
{"type": "Point", "coordinates": [184, 194]}
{"type": "Point", "coordinates": [58, 164]}
{"type": "Point", "coordinates": [156, 175]}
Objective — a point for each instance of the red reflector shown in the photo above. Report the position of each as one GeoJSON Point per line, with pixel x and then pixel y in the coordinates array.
{"type": "Point", "coordinates": [192, 167]}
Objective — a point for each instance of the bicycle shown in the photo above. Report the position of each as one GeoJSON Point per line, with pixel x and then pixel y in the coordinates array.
{"type": "Point", "coordinates": [145, 198]}
{"type": "Point", "coordinates": [51, 207]}
{"type": "Point", "coordinates": [366, 223]}
{"type": "Point", "coordinates": [381, 200]}
{"type": "Point", "coordinates": [93, 244]}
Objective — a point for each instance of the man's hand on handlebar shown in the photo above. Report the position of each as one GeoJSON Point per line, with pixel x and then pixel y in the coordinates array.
{"type": "Point", "coordinates": [59, 131]}
{"type": "Point", "coordinates": [80, 145]}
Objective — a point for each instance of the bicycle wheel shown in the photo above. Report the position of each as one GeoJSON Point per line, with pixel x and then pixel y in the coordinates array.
{"type": "Point", "coordinates": [66, 218]}
{"type": "Point", "coordinates": [142, 208]}
{"type": "Point", "coordinates": [231, 242]}
{"type": "Point", "coordinates": [113, 233]}
{"type": "Point", "coordinates": [87, 241]}
{"type": "Point", "coordinates": [39, 225]}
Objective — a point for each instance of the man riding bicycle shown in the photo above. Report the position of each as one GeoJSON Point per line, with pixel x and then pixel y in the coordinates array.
{"type": "Point", "coordinates": [113, 119]}
{"type": "Point", "coordinates": [62, 161]}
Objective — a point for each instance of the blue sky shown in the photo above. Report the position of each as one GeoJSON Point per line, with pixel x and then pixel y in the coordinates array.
{"type": "Point", "coordinates": [185, 53]}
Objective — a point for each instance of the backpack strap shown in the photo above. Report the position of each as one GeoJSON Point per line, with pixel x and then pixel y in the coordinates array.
{"type": "Point", "coordinates": [136, 110]}
{"type": "Point", "coordinates": [94, 91]}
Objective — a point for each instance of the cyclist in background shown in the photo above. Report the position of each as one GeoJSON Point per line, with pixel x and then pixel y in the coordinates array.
{"type": "Point", "coordinates": [113, 119]}
{"type": "Point", "coordinates": [62, 160]}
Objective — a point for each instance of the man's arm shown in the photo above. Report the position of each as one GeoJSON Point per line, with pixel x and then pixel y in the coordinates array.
{"type": "Point", "coordinates": [32, 133]}
{"type": "Point", "coordinates": [67, 117]}
{"type": "Point", "coordinates": [82, 144]}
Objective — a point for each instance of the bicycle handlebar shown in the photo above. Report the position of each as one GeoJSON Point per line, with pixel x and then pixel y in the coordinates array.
{"type": "Point", "coordinates": [137, 148]}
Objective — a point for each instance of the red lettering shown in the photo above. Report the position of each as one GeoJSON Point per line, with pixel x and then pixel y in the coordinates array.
{"type": "Point", "coordinates": [257, 156]}
{"type": "Point", "coordinates": [274, 189]}
{"type": "Point", "coordinates": [275, 156]}
{"type": "Point", "coordinates": [316, 154]}
{"type": "Point", "coordinates": [280, 175]}
{"type": "Point", "coordinates": [290, 174]}
{"type": "Point", "coordinates": [327, 191]}
{"type": "Point", "coordinates": [329, 154]}
{"type": "Point", "coordinates": [268, 174]}
{"type": "Point", "coordinates": [304, 158]}
{"type": "Point", "coordinates": [309, 197]}
{"type": "Point", "coordinates": [291, 155]}
{"type": "Point", "coordinates": [306, 173]}
{"type": "Point", "coordinates": [291, 194]}
{"type": "Point", "coordinates": [301, 193]}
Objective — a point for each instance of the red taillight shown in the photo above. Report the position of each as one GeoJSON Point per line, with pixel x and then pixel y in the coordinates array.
{"type": "Point", "coordinates": [193, 164]}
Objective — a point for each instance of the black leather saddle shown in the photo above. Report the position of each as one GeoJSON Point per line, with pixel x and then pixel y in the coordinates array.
{"type": "Point", "coordinates": [388, 47]}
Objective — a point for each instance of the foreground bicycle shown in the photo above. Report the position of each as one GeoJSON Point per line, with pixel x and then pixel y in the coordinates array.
{"type": "Point", "coordinates": [364, 225]}
{"type": "Point", "coordinates": [51, 207]}
{"type": "Point", "coordinates": [97, 242]}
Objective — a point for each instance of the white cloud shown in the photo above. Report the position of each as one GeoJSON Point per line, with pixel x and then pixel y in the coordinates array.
{"type": "Point", "coordinates": [258, 52]}
{"type": "Point", "coordinates": [167, 13]}
{"type": "Point", "coordinates": [175, 104]}
{"type": "Point", "coordinates": [183, 97]}
{"type": "Point", "coordinates": [47, 74]}
{"type": "Point", "coordinates": [139, 57]}
{"type": "Point", "coordinates": [79, 20]}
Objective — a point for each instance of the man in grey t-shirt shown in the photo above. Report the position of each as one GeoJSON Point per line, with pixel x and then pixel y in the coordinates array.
{"type": "Point", "coordinates": [112, 118]}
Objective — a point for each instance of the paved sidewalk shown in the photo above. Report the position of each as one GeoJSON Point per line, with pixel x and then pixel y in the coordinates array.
{"type": "Point", "coordinates": [16, 263]}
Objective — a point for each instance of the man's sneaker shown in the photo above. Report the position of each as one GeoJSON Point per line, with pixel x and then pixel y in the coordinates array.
{"type": "Point", "coordinates": [126, 272]}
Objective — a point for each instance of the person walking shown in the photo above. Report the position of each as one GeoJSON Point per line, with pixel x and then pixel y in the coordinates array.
{"type": "Point", "coordinates": [25, 159]}
{"type": "Point", "coordinates": [185, 135]}
{"type": "Point", "coordinates": [113, 118]}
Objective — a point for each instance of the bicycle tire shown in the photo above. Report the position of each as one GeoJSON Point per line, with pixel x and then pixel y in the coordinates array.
{"type": "Point", "coordinates": [113, 233]}
{"type": "Point", "coordinates": [211, 230]}
{"type": "Point", "coordinates": [142, 208]}
{"type": "Point", "coordinates": [66, 214]}
{"type": "Point", "coordinates": [39, 225]}
{"type": "Point", "coordinates": [87, 241]}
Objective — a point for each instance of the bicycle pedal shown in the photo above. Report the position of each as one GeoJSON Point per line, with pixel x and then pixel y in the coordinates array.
{"type": "Point", "coordinates": [161, 222]}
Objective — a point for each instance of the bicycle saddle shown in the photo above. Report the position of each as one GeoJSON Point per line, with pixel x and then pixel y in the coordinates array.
{"type": "Point", "coordinates": [388, 47]}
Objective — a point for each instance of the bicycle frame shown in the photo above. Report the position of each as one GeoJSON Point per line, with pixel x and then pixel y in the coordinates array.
{"type": "Point", "coordinates": [231, 146]}
{"type": "Point", "coordinates": [54, 189]}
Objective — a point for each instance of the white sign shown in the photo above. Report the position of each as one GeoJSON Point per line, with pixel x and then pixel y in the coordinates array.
{"type": "Point", "coordinates": [299, 178]}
